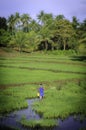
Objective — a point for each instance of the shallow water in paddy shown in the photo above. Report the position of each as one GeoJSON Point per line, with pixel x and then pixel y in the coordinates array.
{"type": "Point", "coordinates": [13, 118]}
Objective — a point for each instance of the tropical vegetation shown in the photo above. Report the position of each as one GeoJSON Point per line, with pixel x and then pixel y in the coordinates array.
{"type": "Point", "coordinates": [47, 32]}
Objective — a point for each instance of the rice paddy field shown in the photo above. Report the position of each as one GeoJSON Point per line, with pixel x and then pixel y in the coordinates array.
{"type": "Point", "coordinates": [63, 79]}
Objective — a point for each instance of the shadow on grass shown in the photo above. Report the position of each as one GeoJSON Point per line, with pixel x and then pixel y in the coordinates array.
{"type": "Point", "coordinates": [78, 58]}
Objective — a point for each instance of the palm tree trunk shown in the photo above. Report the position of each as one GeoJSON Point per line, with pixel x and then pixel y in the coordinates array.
{"type": "Point", "coordinates": [20, 50]}
{"type": "Point", "coordinates": [64, 44]}
{"type": "Point", "coordinates": [46, 45]}
{"type": "Point", "coordinates": [52, 48]}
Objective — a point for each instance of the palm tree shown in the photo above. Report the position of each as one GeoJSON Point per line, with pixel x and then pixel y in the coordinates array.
{"type": "Point", "coordinates": [11, 23]}
{"type": "Point", "coordinates": [48, 18]}
{"type": "Point", "coordinates": [26, 19]}
{"type": "Point", "coordinates": [45, 37]}
{"type": "Point", "coordinates": [40, 17]}
{"type": "Point", "coordinates": [45, 33]}
{"type": "Point", "coordinates": [60, 17]}
{"type": "Point", "coordinates": [14, 22]}
{"type": "Point", "coordinates": [32, 41]}
{"type": "Point", "coordinates": [17, 21]}
{"type": "Point", "coordinates": [75, 22]}
{"type": "Point", "coordinates": [19, 40]}
{"type": "Point", "coordinates": [45, 18]}
{"type": "Point", "coordinates": [82, 32]}
{"type": "Point", "coordinates": [34, 26]}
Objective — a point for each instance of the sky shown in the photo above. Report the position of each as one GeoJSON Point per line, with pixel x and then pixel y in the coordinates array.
{"type": "Point", "coordinates": [68, 8]}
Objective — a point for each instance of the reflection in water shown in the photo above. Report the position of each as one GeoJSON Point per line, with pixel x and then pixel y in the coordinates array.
{"type": "Point", "coordinates": [13, 118]}
{"type": "Point", "coordinates": [70, 124]}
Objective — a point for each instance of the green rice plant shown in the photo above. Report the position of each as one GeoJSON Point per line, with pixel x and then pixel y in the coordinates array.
{"type": "Point", "coordinates": [10, 76]}
{"type": "Point", "coordinates": [26, 91]}
{"type": "Point", "coordinates": [14, 98]}
{"type": "Point", "coordinates": [45, 65]}
{"type": "Point", "coordinates": [10, 103]}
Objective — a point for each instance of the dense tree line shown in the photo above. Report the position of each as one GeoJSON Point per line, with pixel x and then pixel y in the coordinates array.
{"type": "Point", "coordinates": [48, 32]}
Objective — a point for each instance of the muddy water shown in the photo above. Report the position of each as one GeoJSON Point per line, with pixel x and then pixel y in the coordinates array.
{"type": "Point", "coordinates": [13, 118]}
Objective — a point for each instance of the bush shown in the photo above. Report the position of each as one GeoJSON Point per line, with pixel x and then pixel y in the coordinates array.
{"type": "Point", "coordinates": [62, 52]}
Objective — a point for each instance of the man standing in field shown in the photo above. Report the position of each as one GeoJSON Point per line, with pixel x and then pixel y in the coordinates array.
{"type": "Point", "coordinates": [41, 91]}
